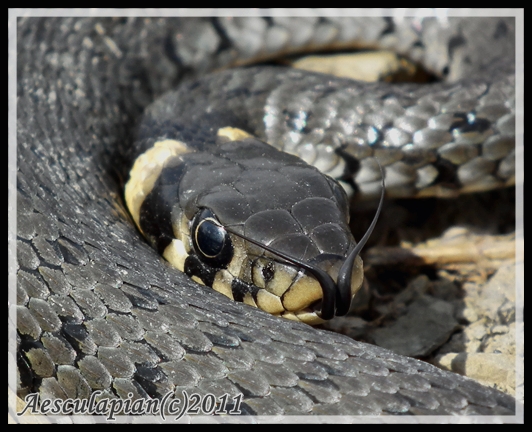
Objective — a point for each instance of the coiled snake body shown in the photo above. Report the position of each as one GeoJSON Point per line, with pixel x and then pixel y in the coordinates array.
{"type": "Point", "coordinates": [99, 310]}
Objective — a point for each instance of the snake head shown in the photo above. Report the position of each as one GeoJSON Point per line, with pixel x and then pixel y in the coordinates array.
{"type": "Point", "coordinates": [256, 224]}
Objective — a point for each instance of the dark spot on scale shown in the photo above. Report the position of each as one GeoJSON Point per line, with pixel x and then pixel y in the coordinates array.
{"type": "Point", "coordinates": [464, 123]}
{"type": "Point", "coordinates": [268, 272]}
{"type": "Point", "coordinates": [195, 267]}
{"type": "Point", "coordinates": [240, 289]}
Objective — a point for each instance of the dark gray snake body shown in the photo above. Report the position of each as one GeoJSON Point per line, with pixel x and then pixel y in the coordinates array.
{"type": "Point", "coordinates": [97, 307]}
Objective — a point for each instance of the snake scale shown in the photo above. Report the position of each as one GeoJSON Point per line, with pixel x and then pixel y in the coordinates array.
{"type": "Point", "coordinates": [97, 307]}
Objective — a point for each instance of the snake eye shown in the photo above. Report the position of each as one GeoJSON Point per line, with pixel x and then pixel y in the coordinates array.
{"type": "Point", "coordinates": [210, 240]}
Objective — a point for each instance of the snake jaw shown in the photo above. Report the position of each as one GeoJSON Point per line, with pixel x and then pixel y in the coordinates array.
{"type": "Point", "coordinates": [336, 298]}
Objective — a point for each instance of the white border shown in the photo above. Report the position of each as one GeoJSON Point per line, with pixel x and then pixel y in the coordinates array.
{"type": "Point", "coordinates": [400, 12]}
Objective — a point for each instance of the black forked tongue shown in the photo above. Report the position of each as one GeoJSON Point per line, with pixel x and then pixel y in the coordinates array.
{"type": "Point", "coordinates": [336, 296]}
{"type": "Point", "coordinates": [343, 283]}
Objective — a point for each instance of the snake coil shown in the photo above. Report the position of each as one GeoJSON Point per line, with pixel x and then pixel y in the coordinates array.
{"type": "Point", "coordinates": [98, 310]}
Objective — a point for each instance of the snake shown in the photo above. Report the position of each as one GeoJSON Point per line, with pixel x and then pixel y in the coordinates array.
{"type": "Point", "coordinates": [99, 312]}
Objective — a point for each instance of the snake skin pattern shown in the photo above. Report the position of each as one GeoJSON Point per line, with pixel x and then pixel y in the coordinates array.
{"type": "Point", "coordinates": [98, 309]}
